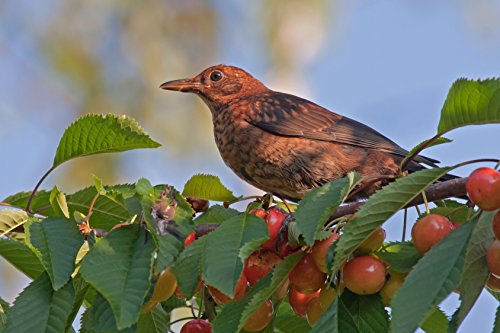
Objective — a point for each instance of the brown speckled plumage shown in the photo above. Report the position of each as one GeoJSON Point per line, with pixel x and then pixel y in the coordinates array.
{"type": "Point", "coordinates": [284, 144]}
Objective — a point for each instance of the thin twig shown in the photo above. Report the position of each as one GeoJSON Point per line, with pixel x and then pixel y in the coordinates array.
{"type": "Point", "coordinates": [32, 195]}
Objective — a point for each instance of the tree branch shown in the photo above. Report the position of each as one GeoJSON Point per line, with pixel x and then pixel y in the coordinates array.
{"type": "Point", "coordinates": [439, 191]}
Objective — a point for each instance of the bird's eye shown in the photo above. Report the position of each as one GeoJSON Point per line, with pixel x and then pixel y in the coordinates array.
{"type": "Point", "coordinates": [215, 76]}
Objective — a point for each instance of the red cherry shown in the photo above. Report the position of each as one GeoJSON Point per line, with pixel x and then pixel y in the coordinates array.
{"type": "Point", "coordinates": [259, 264]}
{"type": "Point", "coordinates": [496, 225]}
{"type": "Point", "coordinates": [306, 276]}
{"type": "Point", "coordinates": [288, 249]}
{"type": "Point", "coordinates": [493, 283]}
{"type": "Point", "coordinates": [320, 251]}
{"type": "Point", "coordinates": [298, 301]}
{"type": "Point", "coordinates": [259, 212]}
{"type": "Point", "coordinates": [197, 326]}
{"type": "Point", "coordinates": [364, 275]}
{"type": "Point", "coordinates": [493, 258]}
{"type": "Point", "coordinates": [483, 188]}
{"type": "Point", "coordinates": [221, 298]}
{"type": "Point", "coordinates": [429, 230]}
{"type": "Point", "coordinates": [191, 237]}
{"type": "Point", "coordinates": [274, 220]}
{"type": "Point", "coordinates": [260, 318]}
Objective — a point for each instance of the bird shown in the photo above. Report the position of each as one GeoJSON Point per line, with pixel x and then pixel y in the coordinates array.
{"type": "Point", "coordinates": [287, 145]}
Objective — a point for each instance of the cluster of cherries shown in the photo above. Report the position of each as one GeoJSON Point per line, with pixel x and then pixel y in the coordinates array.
{"type": "Point", "coordinates": [309, 290]}
{"type": "Point", "coordinates": [483, 188]}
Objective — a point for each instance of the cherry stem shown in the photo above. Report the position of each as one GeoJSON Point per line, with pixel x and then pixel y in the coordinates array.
{"type": "Point", "coordinates": [181, 319]}
{"type": "Point", "coordinates": [405, 218]}
{"type": "Point", "coordinates": [32, 195]}
{"type": "Point", "coordinates": [229, 203]}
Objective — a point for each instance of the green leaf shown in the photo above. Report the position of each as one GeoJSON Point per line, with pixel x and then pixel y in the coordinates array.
{"type": "Point", "coordinates": [234, 315]}
{"type": "Point", "coordinates": [98, 318]}
{"type": "Point", "coordinates": [336, 318]}
{"type": "Point", "coordinates": [219, 255]}
{"type": "Point", "coordinates": [496, 324]}
{"type": "Point", "coordinates": [227, 248]}
{"type": "Point", "coordinates": [454, 211]}
{"type": "Point", "coordinates": [58, 202]}
{"type": "Point", "coordinates": [471, 103]}
{"type": "Point", "coordinates": [169, 248]}
{"type": "Point", "coordinates": [80, 201]}
{"type": "Point", "coordinates": [155, 321]}
{"type": "Point", "coordinates": [317, 205]}
{"type": "Point", "coordinates": [10, 219]}
{"type": "Point", "coordinates": [40, 200]}
{"type": "Point", "coordinates": [107, 210]}
{"type": "Point", "coordinates": [436, 321]}
{"type": "Point", "coordinates": [215, 215]}
{"type": "Point", "coordinates": [208, 187]}
{"type": "Point", "coordinates": [188, 266]}
{"type": "Point", "coordinates": [40, 309]}
{"type": "Point", "coordinates": [367, 312]}
{"type": "Point", "coordinates": [56, 242]}
{"type": "Point", "coordinates": [21, 257]}
{"type": "Point", "coordinates": [96, 134]}
{"type": "Point", "coordinates": [476, 271]}
{"type": "Point", "coordinates": [119, 267]}
{"type": "Point", "coordinates": [436, 142]}
{"type": "Point", "coordinates": [98, 185]}
{"type": "Point", "coordinates": [444, 263]}
{"type": "Point", "coordinates": [400, 256]}
{"type": "Point", "coordinates": [286, 321]}
{"type": "Point", "coordinates": [4, 311]}
{"type": "Point", "coordinates": [380, 207]}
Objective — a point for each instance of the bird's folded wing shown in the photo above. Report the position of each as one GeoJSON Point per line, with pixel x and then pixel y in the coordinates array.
{"type": "Point", "coordinates": [289, 115]}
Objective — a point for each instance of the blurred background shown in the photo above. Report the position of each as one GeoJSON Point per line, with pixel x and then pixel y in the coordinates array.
{"type": "Point", "coordinates": [387, 63]}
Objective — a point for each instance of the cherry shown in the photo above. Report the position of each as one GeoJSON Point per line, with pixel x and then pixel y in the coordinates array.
{"type": "Point", "coordinates": [320, 251]}
{"type": "Point", "coordinates": [199, 205]}
{"type": "Point", "coordinates": [282, 290]}
{"type": "Point", "coordinates": [259, 264]}
{"type": "Point", "coordinates": [373, 242]}
{"type": "Point", "coordinates": [496, 225]}
{"type": "Point", "coordinates": [327, 295]}
{"type": "Point", "coordinates": [493, 283]}
{"type": "Point", "coordinates": [315, 309]}
{"type": "Point", "coordinates": [288, 249]}
{"type": "Point", "coordinates": [306, 276]}
{"type": "Point", "coordinates": [260, 318]}
{"type": "Point", "coordinates": [483, 188]}
{"type": "Point", "coordinates": [390, 288]}
{"type": "Point", "coordinates": [493, 258]}
{"type": "Point", "coordinates": [364, 275]}
{"type": "Point", "coordinates": [298, 301]}
{"type": "Point", "coordinates": [197, 326]}
{"type": "Point", "coordinates": [221, 298]}
{"type": "Point", "coordinates": [274, 220]}
{"type": "Point", "coordinates": [191, 237]}
{"type": "Point", "coordinates": [429, 230]}
{"type": "Point", "coordinates": [164, 289]}
{"type": "Point", "coordinates": [259, 212]}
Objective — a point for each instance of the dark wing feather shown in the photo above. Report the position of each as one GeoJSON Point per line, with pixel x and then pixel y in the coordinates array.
{"type": "Point", "coordinates": [289, 115]}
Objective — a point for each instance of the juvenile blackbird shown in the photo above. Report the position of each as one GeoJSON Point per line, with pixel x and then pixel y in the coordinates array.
{"type": "Point", "coordinates": [284, 144]}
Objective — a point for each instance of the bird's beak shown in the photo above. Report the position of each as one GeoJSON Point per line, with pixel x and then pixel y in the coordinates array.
{"type": "Point", "coordinates": [184, 85]}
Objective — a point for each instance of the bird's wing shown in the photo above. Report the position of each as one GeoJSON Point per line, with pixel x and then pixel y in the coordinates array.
{"type": "Point", "coordinates": [289, 115]}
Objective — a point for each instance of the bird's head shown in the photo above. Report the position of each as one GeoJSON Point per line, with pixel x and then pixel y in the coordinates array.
{"type": "Point", "coordinates": [218, 85]}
